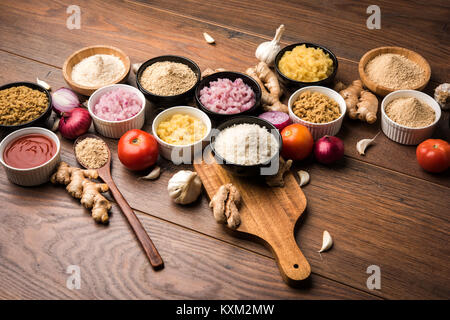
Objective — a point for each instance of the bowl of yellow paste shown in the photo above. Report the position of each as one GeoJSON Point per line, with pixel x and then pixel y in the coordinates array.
{"type": "Point", "coordinates": [182, 133]}
{"type": "Point", "coordinates": [306, 64]}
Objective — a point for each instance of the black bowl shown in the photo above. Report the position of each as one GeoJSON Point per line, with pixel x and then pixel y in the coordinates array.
{"type": "Point", "coordinates": [169, 101]}
{"type": "Point", "coordinates": [294, 84]}
{"type": "Point", "coordinates": [247, 170]}
{"type": "Point", "coordinates": [232, 76]}
{"type": "Point", "coordinates": [39, 121]}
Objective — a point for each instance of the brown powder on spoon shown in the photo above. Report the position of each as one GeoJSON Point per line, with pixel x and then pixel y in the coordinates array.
{"type": "Point", "coordinates": [92, 153]}
{"type": "Point", "coordinates": [410, 112]}
{"type": "Point", "coordinates": [395, 71]}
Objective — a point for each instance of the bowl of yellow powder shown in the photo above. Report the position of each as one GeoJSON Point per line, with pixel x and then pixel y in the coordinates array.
{"type": "Point", "coordinates": [409, 116]}
{"type": "Point", "coordinates": [181, 132]}
{"type": "Point", "coordinates": [169, 80]}
{"type": "Point", "coordinates": [305, 64]}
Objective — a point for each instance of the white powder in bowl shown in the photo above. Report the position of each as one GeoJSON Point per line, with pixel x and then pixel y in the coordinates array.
{"type": "Point", "coordinates": [246, 144]}
{"type": "Point", "coordinates": [98, 70]}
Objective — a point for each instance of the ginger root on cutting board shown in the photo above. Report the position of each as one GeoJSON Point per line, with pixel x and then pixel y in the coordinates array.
{"type": "Point", "coordinates": [225, 205]}
{"type": "Point", "coordinates": [271, 91]}
{"type": "Point", "coordinates": [361, 104]}
{"type": "Point", "coordinates": [79, 186]}
{"type": "Point", "coordinates": [278, 179]}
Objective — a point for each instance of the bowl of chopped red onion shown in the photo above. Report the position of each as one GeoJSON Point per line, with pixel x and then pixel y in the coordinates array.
{"type": "Point", "coordinates": [223, 95]}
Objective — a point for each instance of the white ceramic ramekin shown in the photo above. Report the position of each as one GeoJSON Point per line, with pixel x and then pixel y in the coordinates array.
{"type": "Point", "coordinates": [181, 154]}
{"type": "Point", "coordinates": [318, 130]}
{"type": "Point", "coordinates": [115, 129]}
{"type": "Point", "coordinates": [406, 135]}
{"type": "Point", "coordinates": [32, 176]}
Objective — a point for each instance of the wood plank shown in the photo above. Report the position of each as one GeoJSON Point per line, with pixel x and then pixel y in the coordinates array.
{"type": "Point", "coordinates": [339, 25]}
{"type": "Point", "coordinates": [366, 209]}
{"type": "Point", "coordinates": [154, 33]}
{"type": "Point", "coordinates": [41, 235]}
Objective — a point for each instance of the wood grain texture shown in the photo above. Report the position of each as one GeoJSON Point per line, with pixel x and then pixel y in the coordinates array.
{"type": "Point", "coordinates": [267, 214]}
{"type": "Point", "coordinates": [148, 32]}
{"type": "Point", "coordinates": [338, 25]}
{"type": "Point", "coordinates": [376, 214]}
{"type": "Point", "coordinates": [41, 236]}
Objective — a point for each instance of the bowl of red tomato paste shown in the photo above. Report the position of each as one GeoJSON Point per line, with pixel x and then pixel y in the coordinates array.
{"type": "Point", "coordinates": [29, 156]}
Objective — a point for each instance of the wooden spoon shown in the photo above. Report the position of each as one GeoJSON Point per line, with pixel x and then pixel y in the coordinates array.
{"type": "Point", "coordinates": [105, 173]}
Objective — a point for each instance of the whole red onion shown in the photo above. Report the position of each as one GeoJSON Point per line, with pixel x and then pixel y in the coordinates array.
{"type": "Point", "coordinates": [74, 123]}
{"type": "Point", "coordinates": [328, 149]}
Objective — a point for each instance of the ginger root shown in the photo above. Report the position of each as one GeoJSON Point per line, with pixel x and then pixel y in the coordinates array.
{"type": "Point", "coordinates": [277, 180]}
{"type": "Point", "coordinates": [270, 87]}
{"type": "Point", "coordinates": [361, 104]}
{"type": "Point", "coordinates": [366, 108]}
{"type": "Point", "coordinates": [80, 187]}
{"type": "Point", "coordinates": [225, 205]}
{"type": "Point", "coordinates": [209, 71]}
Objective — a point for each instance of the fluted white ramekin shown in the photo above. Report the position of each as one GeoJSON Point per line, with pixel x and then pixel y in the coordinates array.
{"type": "Point", "coordinates": [185, 153]}
{"type": "Point", "coordinates": [406, 135]}
{"type": "Point", "coordinates": [32, 176]}
{"type": "Point", "coordinates": [115, 129]}
{"type": "Point", "coordinates": [318, 130]}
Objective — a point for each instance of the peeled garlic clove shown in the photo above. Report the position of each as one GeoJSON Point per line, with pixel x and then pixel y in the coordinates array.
{"type": "Point", "coordinates": [327, 242]}
{"type": "Point", "coordinates": [364, 143]}
{"type": "Point", "coordinates": [43, 84]}
{"type": "Point", "coordinates": [135, 67]}
{"type": "Point", "coordinates": [304, 177]}
{"type": "Point", "coordinates": [154, 174]}
{"type": "Point", "coordinates": [208, 38]}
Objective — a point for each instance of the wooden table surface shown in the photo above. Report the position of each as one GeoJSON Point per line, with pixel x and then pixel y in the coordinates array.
{"type": "Point", "coordinates": [381, 209]}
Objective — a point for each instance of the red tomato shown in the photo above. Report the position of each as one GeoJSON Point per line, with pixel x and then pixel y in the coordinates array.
{"type": "Point", "coordinates": [433, 155]}
{"type": "Point", "coordinates": [137, 150]}
{"type": "Point", "coordinates": [297, 142]}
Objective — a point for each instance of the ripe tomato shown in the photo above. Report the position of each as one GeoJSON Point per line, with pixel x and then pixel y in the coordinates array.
{"type": "Point", "coordinates": [137, 150]}
{"type": "Point", "coordinates": [433, 155]}
{"type": "Point", "coordinates": [297, 142]}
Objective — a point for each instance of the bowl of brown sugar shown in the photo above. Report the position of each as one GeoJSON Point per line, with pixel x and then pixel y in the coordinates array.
{"type": "Point", "coordinates": [409, 116]}
{"type": "Point", "coordinates": [169, 80]}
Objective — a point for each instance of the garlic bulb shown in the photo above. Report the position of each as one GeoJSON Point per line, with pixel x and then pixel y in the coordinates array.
{"type": "Point", "coordinates": [184, 187]}
{"type": "Point", "coordinates": [267, 51]}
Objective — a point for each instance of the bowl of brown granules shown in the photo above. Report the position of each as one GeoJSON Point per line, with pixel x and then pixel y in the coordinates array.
{"type": "Point", "coordinates": [386, 69]}
{"type": "Point", "coordinates": [23, 104]}
{"type": "Point", "coordinates": [409, 116]}
{"type": "Point", "coordinates": [169, 80]}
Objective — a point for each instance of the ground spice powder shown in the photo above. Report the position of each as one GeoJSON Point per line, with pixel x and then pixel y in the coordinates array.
{"type": "Point", "coordinates": [410, 112]}
{"type": "Point", "coordinates": [168, 78]}
{"type": "Point", "coordinates": [394, 71]}
{"type": "Point", "coordinates": [92, 153]}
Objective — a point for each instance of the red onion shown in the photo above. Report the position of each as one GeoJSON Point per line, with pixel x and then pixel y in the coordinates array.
{"type": "Point", "coordinates": [277, 118]}
{"type": "Point", "coordinates": [64, 100]}
{"type": "Point", "coordinates": [328, 149]}
{"type": "Point", "coordinates": [74, 123]}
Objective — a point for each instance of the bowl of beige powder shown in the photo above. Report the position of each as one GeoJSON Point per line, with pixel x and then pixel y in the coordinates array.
{"type": "Point", "coordinates": [386, 69]}
{"type": "Point", "coordinates": [409, 116]}
{"type": "Point", "coordinates": [168, 81]}
{"type": "Point", "coordinates": [91, 68]}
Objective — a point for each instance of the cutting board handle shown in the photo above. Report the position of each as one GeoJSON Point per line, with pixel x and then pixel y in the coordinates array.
{"type": "Point", "coordinates": [292, 263]}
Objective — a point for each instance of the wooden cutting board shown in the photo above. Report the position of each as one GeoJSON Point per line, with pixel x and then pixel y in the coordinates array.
{"type": "Point", "coordinates": [268, 215]}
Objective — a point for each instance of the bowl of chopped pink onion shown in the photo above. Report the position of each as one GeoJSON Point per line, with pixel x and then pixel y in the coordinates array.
{"type": "Point", "coordinates": [117, 108]}
{"type": "Point", "coordinates": [223, 95]}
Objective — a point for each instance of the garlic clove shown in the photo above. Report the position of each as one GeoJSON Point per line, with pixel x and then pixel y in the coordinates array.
{"type": "Point", "coordinates": [364, 143]}
{"type": "Point", "coordinates": [135, 67]}
{"type": "Point", "coordinates": [153, 175]}
{"type": "Point", "coordinates": [208, 38]}
{"type": "Point", "coordinates": [43, 84]}
{"type": "Point", "coordinates": [327, 241]}
{"type": "Point", "coordinates": [304, 177]}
